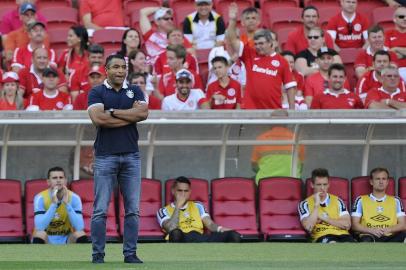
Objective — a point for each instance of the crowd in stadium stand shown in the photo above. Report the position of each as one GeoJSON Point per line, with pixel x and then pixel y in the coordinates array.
{"type": "Point", "coordinates": [240, 55]}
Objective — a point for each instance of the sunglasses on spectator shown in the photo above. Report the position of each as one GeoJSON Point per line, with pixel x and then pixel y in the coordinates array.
{"type": "Point", "coordinates": [391, 76]}
{"type": "Point", "coordinates": [313, 37]}
{"type": "Point", "coordinates": [401, 16]}
{"type": "Point", "coordinates": [167, 18]}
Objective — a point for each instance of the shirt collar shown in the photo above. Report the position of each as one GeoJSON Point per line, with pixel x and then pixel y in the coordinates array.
{"type": "Point", "coordinates": [106, 83]}
{"type": "Point", "coordinates": [37, 76]}
{"type": "Point", "coordinates": [369, 50]}
{"type": "Point", "coordinates": [376, 199]}
{"type": "Point", "coordinates": [196, 18]}
{"type": "Point", "coordinates": [326, 201]}
{"type": "Point", "coordinates": [183, 208]}
{"type": "Point", "coordinates": [389, 93]}
{"type": "Point", "coordinates": [351, 19]}
{"type": "Point", "coordinates": [335, 94]}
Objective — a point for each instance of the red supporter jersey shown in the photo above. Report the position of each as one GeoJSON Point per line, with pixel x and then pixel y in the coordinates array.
{"type": "Point", "coordinates": [330, 100]}
{"type": "Point", "coordinates": [315, 85]}
{"type": "Point", "coordinates": [79, 80]}
{"type": "Point", "coordinates": [298, 42]}
{"type": "Point", "coordinates": [31, 82]}
{"type": "Point", "coordinates": [71, 62]}
{"type": "Point", "coordinates": [267, 76]}
{"type": "Point", "coordinates": [154, 103]}
{"type": "Point", "coordinates": [232, 94]}
{"type": "Point", "coordinates": [58, 101]}
{"type": "Point", "coordinates": [299, 78]}
{"type": "Point", "coordinates": [22, 57]}
{"type": "Point", "coordinates": [394, 38]}
{"type": "Point", "coordinates": [103, 12]}
{"type": "Point", "coordinates": [365, 58]}
{"type": "Point", "coordinates": [370, 81]}
{"type": "Point", "coordinates": [378, 94]}
{"type": "Point", "coordinates": [161, 65]}
{"type": "Point", "coordinates": [167, 83]}
{"type": "Point", "coordinates": [80, 102]}
{"type": "Point", "coordinates": [5, 106]}
{"type": "Point", "coordinates": [348, 34]}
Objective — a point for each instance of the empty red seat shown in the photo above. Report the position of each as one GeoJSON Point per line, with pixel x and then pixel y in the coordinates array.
{"type": "Point", "coordinates": [384, 17]}
{"type": "Point", "coordinates": [266, 4]}
{"type": "Point", "coordinates": [325, 13]}
{"type": "Point", "coordinates": [366, 7]}
{"type": "Point", "coordinates": [402, 190]}
{"type": "Point", "coordinates": [360, 186]}
{"type": "Point", "coordinates": [348, 56]}
{"type": "Point", "coordinates": [32, 188]}
{"type": "Point", "coordinates": [279, 198]}
{"type": "Point", "coordinates": [338, 186]}
{"type": "Point", "coordinates": [283, 17]}
{"type": "Point", "coordinates": [57, 39]}
{"type": "Point", "coordinates": [222, 7]}
{"type": "Point", "coordinates": [150, 202]}
{"type": "Point", "coordinates": [233, 205]}
{"type": "Point", "coordinates": [84, 188]}
{"type": "Point", "coordinates": [200, 191]}
{"type": "Point", "coordinates": [53, 3]}
{"type": "Point", "coordinates": [322, 3]}
{"type": "Point", "coordinates": [181, 10]}
{"type": "Point", "coordinates": [60, 17]}
{"type": "Point", "coordinates": [11, 215]}
{"type": "Point", "coordinates": [108, 38]}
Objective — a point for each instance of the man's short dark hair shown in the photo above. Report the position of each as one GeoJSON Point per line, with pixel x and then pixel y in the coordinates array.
{"type": "Point", "coordinates": [113, 56]}
{"type": "Point", "coordinates": [96, 48]}
{"type": "Point", "coordinates": [381, 52]}
{"type": "Point", "coordinates": [375, 29]}
{"type": "Point", "coordinates": [284, 53]}
{"type": "Point", "coordinates": [249, 10]}
{"type": "Point", "coordinates": [55, 169]}
{"type": "Point", "coordinates": [136, 75]}
{"type": "Point", "coordinates": [378, 170]}
{"type": "Point", "coordinates": [179, 50]}
{"type": "Point", "coordinates": [339, 67]}
{"type": "Point", "coordinates": [319, 172]}
{"type": "Point", "coordinates": [181, 179]}
{"type": "Point", "coordinates": [308, 8]}
{"type": "Point", "coordinates": [220, 59]}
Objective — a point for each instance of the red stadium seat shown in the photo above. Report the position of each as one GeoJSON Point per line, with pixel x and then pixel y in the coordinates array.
{"type": "Point", "coordinates": [233, 202]}
{"type": "Point", "coordinates": [384, 17]}
{"type": "Point", "coordinates": [366, 7]}
{"type": "Point", "coordinates": [360, 186]}
{"type": "Point", "coordinates": [348, 56]}
{"type": "Point", "coordinates": [181, 10]}
{"type": "Point", "coordinates": [57, 40]}
{"type": "Point", "coordinates": [132, 10]}
{"type": "Point", "coordinates": [150, 202]}
{"type": "Point", "coordinates": [326, 13]}
{"type": "Point", "coordinates": [173, 3]}
{"type": "Point", "coordinates": [53, 3]}
{"type": "Point", "coordinates": [202, 57]}
{"type": "Point", "coordinates": [11, 215]}
{"type": "Point", "coordinates": [283, 17]}
{"type": "Point", "coordinates": [279, 198]}
{"type": "Point", "coordinates": [322, 3]}
{"type": "Point", "coordinates": [4, 8]}
{"type": "Point", "coordinates": [266, 4]}
{"type": "Point", "coordinates": [60, 17]}
{"type": "Point", "coordinates": [32, 188]}
{"type": "Point", "coordinates": [200, 191]}
{"type": "Point", "coordinates": [338, 186]}
{"type": "Point", "coordinates": [283, 37]}
{"type": "Point", "coordinates": [402, 190]}
{"type": "Point", "coordinates": [110, 39]}
{"type": "Point", "coordinates": [223, 5]}
{"type": "Point", "coordinates": [84, 188]}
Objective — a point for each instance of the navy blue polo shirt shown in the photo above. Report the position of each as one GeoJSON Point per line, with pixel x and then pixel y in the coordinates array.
{"type": "Point", "coordinates": [120, 140]}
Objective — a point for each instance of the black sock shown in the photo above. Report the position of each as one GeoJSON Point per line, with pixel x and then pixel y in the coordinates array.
{"type": "Point", "coordinates": [82, 240]}
{"type": "Point", "coordinates": [37, 240]}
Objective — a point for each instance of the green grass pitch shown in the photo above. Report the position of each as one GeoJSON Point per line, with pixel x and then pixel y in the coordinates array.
{"type": "Point", "coordinates": [210, 256]}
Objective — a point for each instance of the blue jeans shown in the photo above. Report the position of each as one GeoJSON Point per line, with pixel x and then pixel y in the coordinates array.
{"type": "Point", "coordinates": [126, 169]}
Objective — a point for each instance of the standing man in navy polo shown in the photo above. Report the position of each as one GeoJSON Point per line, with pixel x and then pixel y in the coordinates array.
{"type": "Point", "coordinates": [115, 107]}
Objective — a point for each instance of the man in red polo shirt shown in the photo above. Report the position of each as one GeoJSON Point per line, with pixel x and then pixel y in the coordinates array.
{"type": "Point", "coordinates": [376, 40]}
{"type": "Point", "coordinates": [268, 73]}
{"type": "Point", "coordinates": [31, 77]}
{"type": "Point", "coordinates": [372, 79]}
{"type": "Point", "coordinates": [175, 55]}
{"type": "Point", "coordinates": [348, 28]}
{"type": "Point", "coordinates": [225, 92]}
{"type": "Point", "coordinates": [297, 40]}
{"type": "Point", "coordinates": [22, 56]}
{"type": "Point", "coordinates": [50, 99]}
{"type": "Point", "coordinates": [336, 96]}
{"type": "Point", "coordinates": [395, 39]}
{"type": "Point", "coordinates": [97, 14]}
{"type": "Point", "coordinates": [388, 96]}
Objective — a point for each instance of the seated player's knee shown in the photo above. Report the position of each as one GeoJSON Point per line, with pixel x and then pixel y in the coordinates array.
{"type": "Point", "coordinates": [366, 238]}
{"type": "Point", "coordinates": [39, 237]}
{"type": "Point", "coordinates": [176, 236]}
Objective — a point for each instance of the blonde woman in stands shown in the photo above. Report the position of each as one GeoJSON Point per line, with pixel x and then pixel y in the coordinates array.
{"type": "Point", "coordinates": [10, 98]}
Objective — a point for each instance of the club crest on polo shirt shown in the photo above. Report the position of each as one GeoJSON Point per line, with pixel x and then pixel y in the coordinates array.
{"type": "Point", "coordinates": [231, 92]}
{"type": "Point", "coordinates": [275, 63]}
{"type": "Point", "coordinates": [357, 27]}
{"type": "Point", "coordinates": [59, 104]}
{"type": "Point", "coordinates": [130, 93]}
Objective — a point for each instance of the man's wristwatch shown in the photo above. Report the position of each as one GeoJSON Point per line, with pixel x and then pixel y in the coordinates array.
{"type": "Point", "coordinates": [112, 112]}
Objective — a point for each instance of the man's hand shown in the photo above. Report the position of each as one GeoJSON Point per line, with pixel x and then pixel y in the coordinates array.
{"type": "Point", "coordinates": [54, 195]}
{"type": "Point", "coordinates": [180, 200]}
{"type": "Point", "coordinates": [233, 11]}
{"type": "Point", "coordinates": [378, 232]}
{"type": "Point", "coordinates": [65, 198]}
{"type": "Point", "coordinates": [317, 199]}
{"type": "Point", "coordinates": [218, 98]}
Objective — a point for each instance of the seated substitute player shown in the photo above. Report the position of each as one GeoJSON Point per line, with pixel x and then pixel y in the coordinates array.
{"type": "Point", "coordinates": [323, 215]}
{"type": "Point", "coordinates": [184, 220]}
{"type": "Point", "coordinates": [58, 213]}
{"type": "Point", "coordinates": [225, 92]}
{"type": "Point", "coordinates": [379, 217]}
{"type": "Point", "coordinates": [185, 98]}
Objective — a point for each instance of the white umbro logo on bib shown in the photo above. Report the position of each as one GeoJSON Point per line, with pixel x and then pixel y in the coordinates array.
{"type": "Point", "coordinates": [130, 93]}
